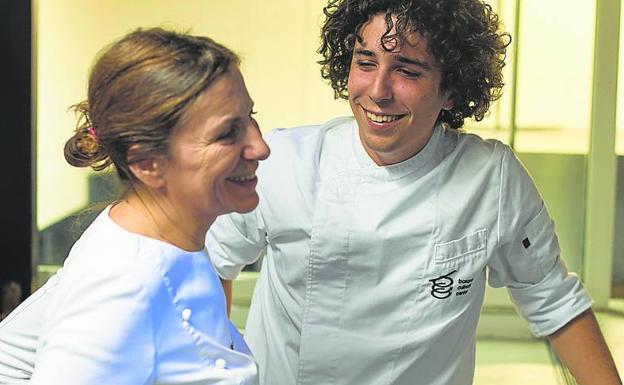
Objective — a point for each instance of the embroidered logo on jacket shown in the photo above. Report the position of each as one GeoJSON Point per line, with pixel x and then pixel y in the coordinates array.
{"type": "Point", "coordinates": [442, 287]}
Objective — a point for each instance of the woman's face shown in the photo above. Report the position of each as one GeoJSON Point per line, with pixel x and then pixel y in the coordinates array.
{"type": "Point", "coordinates": [214, 152]}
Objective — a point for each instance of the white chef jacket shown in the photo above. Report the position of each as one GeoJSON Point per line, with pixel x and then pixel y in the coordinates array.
{"type": "Point", "coordinates": [376, 275]}
{"type": "Point", "coordinates": [128, 309]}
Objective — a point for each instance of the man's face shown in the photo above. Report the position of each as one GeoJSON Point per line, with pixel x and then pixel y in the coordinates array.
{"type": "Point", "coordinates": [395, 96]}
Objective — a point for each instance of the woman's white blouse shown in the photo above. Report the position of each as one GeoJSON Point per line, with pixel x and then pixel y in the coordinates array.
{"type": "Point", "coordinates": [127, 309]}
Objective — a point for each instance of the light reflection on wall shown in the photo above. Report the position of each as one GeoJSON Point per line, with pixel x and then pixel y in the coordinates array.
{"type": "Point", "coordinates": [555, 67]}
{"type": "Point", "coordinates": [620, 104]}
{"type": "Point", "coordinates": [276, 39]}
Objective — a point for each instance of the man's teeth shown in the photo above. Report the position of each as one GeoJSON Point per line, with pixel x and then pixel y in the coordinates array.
{"type": "Point", "coordinates": [242, 178]}
{"type": "Point", "coordinates": [382, 118]}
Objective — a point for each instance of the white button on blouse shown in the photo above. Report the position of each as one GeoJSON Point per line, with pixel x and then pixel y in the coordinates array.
{"type": "Point", "coordinates": [186, 314]}
{"type": "Point", "coordinates": [138, 306]}
{"type": "Point", "coordinates": [220, 363]}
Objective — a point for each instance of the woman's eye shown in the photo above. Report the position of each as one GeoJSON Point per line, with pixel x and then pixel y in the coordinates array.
{"type": "Point", "coordinates": [228, 135]}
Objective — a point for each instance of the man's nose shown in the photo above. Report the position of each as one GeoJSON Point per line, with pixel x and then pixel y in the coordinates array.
{"type": "Point", "coordinates": [381, 88]}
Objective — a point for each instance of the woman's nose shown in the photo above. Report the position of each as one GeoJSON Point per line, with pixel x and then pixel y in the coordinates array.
{"type": "Point", "coordinates": [255, 146]}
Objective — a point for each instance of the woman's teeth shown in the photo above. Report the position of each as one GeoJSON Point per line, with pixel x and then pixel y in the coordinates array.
{"type": "Point", "coordinates": [242, 178]}
{"type": "Point", "coordinates": [382, 118]}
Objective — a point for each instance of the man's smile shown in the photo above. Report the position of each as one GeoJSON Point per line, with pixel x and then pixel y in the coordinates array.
{"type": "Point", "coordinates": [382, 118]}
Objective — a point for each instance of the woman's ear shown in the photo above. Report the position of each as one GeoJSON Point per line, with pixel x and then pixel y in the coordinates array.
{"type": "Point", "coordinates": [150, 171]}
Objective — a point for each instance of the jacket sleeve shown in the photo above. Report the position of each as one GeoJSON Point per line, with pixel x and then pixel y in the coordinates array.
{"type": "Point", "coordinates": [527, 260]}
{"type": "Point", "coordinates": [97, 330]}
{"type": "Point", "coordinates": [235, 240]}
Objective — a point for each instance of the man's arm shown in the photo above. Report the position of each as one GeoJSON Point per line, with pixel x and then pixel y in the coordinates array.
{"type": "Point", "coordinates": [583, 350]}
{"type": "Point", "coordinates": [227, 289]}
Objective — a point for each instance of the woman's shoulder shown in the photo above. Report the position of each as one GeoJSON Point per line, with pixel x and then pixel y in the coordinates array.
{"type": "Point", "coordinates": [108, 255]}
{"type": "Point", "coordinates": [109, 261]}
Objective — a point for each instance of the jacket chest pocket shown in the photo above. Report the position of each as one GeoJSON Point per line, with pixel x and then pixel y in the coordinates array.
{"type": "Point", "coordinates": [461, 250]}
{"type": "Point", "coordinates": [458, 265]}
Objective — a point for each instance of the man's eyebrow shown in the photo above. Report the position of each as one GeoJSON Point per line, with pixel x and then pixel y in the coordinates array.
{"type": "Point", "coordinates": [400, 58]}
{"type": "Point", "coordinates": [407, 60]}
{"type": "Point", "coordinates": [364, 52]}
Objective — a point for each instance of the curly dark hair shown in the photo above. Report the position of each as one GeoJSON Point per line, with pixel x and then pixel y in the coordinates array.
{"type": "Point", "coordinates": [464, 39]}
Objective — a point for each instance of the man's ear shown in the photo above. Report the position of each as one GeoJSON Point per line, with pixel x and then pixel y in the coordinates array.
{"type": "Point", "coordinates": [448, 103]}
{"type": "Point", "coordinates": [150, 171]}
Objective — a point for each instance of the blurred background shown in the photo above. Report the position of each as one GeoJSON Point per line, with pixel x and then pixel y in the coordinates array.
{"type": "Point", "coordinates": [562, 111]}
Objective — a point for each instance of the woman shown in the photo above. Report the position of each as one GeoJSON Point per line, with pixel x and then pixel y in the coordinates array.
{"type": "Point", "coordinates": [137, 301]}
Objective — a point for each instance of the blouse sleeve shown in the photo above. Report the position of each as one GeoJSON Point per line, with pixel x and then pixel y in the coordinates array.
{"type": "Point", "coordinates": [527, 260]}
{"type": "Point", "coordinates": [98, 330]}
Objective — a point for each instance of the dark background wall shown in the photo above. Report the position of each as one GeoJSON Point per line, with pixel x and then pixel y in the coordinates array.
{"type": "Point", "coordinates": [16, 183]}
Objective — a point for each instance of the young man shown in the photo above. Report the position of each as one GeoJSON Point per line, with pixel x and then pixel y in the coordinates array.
{"type": "Point", "coordinates": [381, 230]}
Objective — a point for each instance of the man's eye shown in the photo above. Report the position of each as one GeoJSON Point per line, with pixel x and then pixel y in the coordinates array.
{"type": "Point", "coordinates": [409, 73]}
{"type": "Point", "coordinates": [365, 64]}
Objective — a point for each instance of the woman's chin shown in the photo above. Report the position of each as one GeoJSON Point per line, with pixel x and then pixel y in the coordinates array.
{"type": "Point", "coordinates": [245, 205]}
